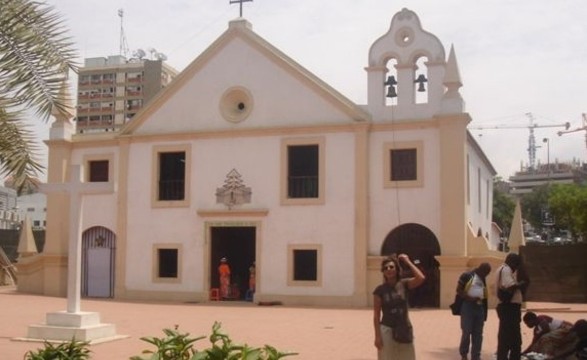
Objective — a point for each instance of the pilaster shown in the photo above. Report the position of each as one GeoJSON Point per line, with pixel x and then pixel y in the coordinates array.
{"type": "Point", "coordinates": [453, 183]}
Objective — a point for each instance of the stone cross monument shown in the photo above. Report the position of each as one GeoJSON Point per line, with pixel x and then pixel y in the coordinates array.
{"type": "Point", "coordinates": [65, 325]}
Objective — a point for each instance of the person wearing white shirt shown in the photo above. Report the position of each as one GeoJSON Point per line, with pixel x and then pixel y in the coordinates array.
{"type": "Point", "coordinates": [509, 311]}
{"type": "Point", "coordinates": [472, 288]}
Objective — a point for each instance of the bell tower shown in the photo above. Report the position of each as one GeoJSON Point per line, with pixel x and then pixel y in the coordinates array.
{"type": "Point", "coordinates": [407, 72]}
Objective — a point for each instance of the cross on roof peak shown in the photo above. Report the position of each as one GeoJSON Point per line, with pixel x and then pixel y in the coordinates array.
{"type": "Point", "coordinates": [241, 5]}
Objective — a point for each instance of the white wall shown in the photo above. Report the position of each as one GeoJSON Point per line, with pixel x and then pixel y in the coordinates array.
{"type": "Point", "coordinates": [257, 159]}
{"type": "Point", "coordinates": [480, 206]}
{"type": "Point", "coordinates": [391, 207]}
{"type": "Point", "coordinates": [279, 99]}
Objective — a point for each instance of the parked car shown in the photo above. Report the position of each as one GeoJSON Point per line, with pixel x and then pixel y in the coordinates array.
{"type": "Point", "coordinates": [562, 237]}
{"type": "Point", "coordinates": [531, 237]}
{"type": "Point", "coordinates": [560, 240]}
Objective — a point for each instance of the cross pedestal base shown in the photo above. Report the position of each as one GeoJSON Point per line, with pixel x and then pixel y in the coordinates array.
{"type": "Point", "coordinates": [63, 326]}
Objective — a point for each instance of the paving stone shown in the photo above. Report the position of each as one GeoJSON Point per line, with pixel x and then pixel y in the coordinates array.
{"type": "Point", "coordinates": [314, 333]}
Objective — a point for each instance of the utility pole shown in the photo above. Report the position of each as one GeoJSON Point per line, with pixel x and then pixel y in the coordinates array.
{"type": "Point", "coordinates": [547, 141]}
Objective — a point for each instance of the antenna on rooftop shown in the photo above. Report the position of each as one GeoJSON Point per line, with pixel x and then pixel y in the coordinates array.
{"type": "Point", "coordinates": [123, 44]}
{"type": "Point", "coordinates": [139, 54]}
{"type": "Point", "coordinates": [156, 55]}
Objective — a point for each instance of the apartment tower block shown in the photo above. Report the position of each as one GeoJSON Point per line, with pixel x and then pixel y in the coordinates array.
{"type": "Point", "coordinates": [112, 90]}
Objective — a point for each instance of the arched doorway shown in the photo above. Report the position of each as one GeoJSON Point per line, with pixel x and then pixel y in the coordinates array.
{"type": "Point", "coordinates": [421, 245]}
{"type": "Point", "coordinates": [98, 259]}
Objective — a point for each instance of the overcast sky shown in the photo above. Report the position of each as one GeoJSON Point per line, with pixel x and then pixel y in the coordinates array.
{"type": "Point", "coordinates": [515, 57]}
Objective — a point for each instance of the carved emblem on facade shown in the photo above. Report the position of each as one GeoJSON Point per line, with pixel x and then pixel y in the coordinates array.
{"type": "Point", "coordinates": [234, 192]}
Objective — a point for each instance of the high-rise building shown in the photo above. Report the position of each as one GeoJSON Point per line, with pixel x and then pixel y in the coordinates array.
{"type": "Point", "coordinates": [524, 182]}
{"type": "Point", "coordinates": [112, 90]}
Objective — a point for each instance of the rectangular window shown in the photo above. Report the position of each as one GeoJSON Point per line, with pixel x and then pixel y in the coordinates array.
{"type": "Point", "coordinates": [168, 261]}
{"type": "Point", "coordinates": [134, 104]}
{"type": "Point", "coordinates": [98, 167]}
{"type": "Point", "coordinates": [98, 170]}
{"type": "Point", "coordinates": [303, 171]}
{"type": "Point", "coordinates": [171, 176]}
{"type": "Point", "coordinates": [109, 78]}
{"type": "Point", "coordinates": [404, 165]}
{"type": "Point", "coordinates": [305, 265]}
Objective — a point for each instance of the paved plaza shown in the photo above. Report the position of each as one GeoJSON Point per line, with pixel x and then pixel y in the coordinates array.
{"type": "Point", "coordinates": [314, 333]}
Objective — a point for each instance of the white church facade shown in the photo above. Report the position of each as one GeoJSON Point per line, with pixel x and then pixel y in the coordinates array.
{"type": "Point", "coordinates": [247, 155]}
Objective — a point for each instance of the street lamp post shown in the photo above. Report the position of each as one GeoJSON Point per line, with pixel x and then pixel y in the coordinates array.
{"type": "Point", "coordinates": [547, 141]}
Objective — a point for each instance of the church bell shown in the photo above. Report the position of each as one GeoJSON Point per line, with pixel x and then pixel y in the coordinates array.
{"type": "Point", "coordinates": [421, 79]}
{"type": "Point", "coordinates": [391, 82]}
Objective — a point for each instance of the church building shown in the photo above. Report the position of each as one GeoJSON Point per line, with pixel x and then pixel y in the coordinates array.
{"type": "Point", "coordinates": [248, 156]}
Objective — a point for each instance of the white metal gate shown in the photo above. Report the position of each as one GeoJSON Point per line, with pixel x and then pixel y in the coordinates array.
{"type": "Point", "coordinates": [98, 255]}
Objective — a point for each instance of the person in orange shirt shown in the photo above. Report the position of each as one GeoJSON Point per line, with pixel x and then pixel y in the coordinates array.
{"type": "Point", "coordinates": [224, 272]}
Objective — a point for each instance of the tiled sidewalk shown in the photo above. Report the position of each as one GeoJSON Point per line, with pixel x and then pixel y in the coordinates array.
{"type": "Point", "coordinates": [316, 334]}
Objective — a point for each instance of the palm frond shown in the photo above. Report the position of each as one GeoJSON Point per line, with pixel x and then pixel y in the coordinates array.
{"type": "Point", "coordinates": [35, 56]}
{"type": "Point", "coordinates": [18, 151]}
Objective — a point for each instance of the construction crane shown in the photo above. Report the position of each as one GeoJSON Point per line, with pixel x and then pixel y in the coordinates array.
{"type": "Point", "coordinates": [584, 127]}
{"type": "Point", "coordinates": [531, 139]}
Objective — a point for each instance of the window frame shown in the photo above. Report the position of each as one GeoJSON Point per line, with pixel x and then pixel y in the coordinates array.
{"type": "Point", "coordinates": [388, 147]}
{"type": "Point", "coordinates": [87, 159]}
{"type": "Point", "coordinates": [155, 164]}
{"type": "Point", "coordinates": [291, 265]}
{"type": "Point", "coordinates": [285, 144]}
{"type": "Point", "coordinates": [156, 263]}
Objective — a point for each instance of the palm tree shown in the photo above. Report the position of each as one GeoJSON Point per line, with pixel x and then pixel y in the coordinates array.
{"type": "Point", "coordinates": [35, 59]}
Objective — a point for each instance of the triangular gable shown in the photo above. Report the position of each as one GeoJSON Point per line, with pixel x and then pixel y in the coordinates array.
{"type": "Point", "coordinates": [174, 100]}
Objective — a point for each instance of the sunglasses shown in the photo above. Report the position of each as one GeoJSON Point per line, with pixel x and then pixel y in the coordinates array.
{"type": "Point", "coordinates": [389, 267]}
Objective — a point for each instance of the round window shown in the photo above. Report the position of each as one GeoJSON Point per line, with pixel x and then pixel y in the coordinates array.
{"type": "Point", "coordinates": [236, 104]}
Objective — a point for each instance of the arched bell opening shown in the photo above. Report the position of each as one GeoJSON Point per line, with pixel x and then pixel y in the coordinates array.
{"type": "Point", "coordinates": [421, 81]}
{"type": "Point", "coordinates": [391, 83]}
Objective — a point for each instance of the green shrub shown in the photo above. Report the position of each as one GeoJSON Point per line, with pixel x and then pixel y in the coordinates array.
{"type": "Point", "coordinates": [72, 350]}
{"type": "Point", "coordinates": [174, 346]}
{"type": "Point", "coordinates": [179, 346]}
